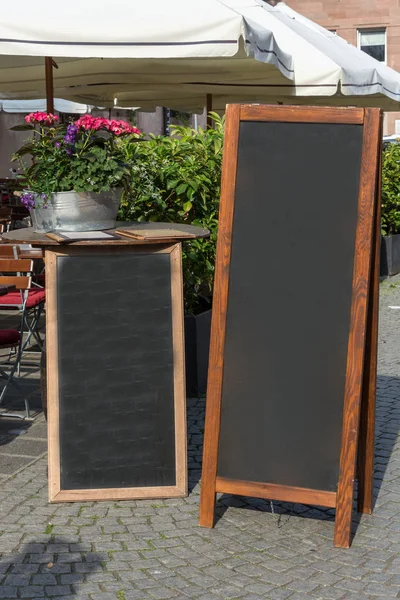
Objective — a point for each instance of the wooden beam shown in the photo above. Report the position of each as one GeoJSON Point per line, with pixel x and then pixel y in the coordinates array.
{"type": "Point", "coordinates": [48, 62]}
{"type": "Point", "coordinates": [356, 346]}
{"type": "Point", "coordinates": [367, 421]}
{"type": "Point", "coordinates": [214, 385]}
{"type": "Point", "coordinates": [209, 109]}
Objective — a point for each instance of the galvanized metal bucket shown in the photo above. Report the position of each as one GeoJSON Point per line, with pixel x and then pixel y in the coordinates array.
{"type": "Point", "coordinates": [77, 211]}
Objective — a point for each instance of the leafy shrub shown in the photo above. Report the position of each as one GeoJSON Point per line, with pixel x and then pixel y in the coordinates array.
{"type": "Point", "coordinates": [177, 179]}
{"type": "Point", "coordinates": [391, 189]}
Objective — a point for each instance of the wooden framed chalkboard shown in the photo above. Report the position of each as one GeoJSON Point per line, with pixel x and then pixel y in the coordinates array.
{"type": "Point", "coordinates": [294, 309]}
{"type": "Point", "coordinates": [115, 372]}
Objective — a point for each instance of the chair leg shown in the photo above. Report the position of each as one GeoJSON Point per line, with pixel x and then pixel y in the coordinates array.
{"type": "Point", "coordinates": [10, 381]}
{"type": "Point", "coordinates": [19, 356]}
{"type": "Point", "coordinates": [32, 326]}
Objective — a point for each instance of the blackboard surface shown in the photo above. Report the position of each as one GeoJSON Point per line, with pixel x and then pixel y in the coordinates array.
{"type": "Point", "coordinates": [286, 339]}
{"type": "Point", "coordinates": [116, 388]}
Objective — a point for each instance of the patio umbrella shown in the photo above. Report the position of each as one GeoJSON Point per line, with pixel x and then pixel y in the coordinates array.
{"type": "Point", "coordinates": [174, 53]}
{"type": "Point", "coordinates": [27, 106]}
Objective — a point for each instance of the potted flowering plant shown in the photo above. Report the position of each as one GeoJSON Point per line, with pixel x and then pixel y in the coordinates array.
{"type": "Point", "coordinates": [77, 173]}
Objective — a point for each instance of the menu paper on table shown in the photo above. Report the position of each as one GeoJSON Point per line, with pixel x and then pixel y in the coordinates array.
{"type": "Point", "coordinates": [76, 236]}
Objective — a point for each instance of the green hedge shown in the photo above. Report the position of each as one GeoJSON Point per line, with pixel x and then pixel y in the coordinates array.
{"type": "Point", "coordinates": [177, 179]}
{"type": "Point", "coordinates": [391, 189]}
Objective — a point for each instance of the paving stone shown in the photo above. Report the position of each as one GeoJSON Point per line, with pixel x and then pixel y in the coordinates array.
{"type": "Point", "coordinates": [329, 593]}
{"type": "Point", "coordinates": [17, 579]}
{"type": "Point", "coordinates": [56, 568]}
{"type": "Point", "coordinates": [41, 558]}
{"type": "Point", "coordinates": [52, 548]}
{"type": "Point", "coordinates": [71, 557]}
{"type": "Point", "coordinates": [279, 593]}
{"type": "Point", "coordinates": [44, 579]}
{"type": "Point", "coordinates": [376, 589]}
{"type": "Point", "coordinates": [32, 591]}
{"type": "Point", "coordinates": [259, 588]}
{"type": "Point", "coordinates": [25, 568]}
{"type": "Point", "coordinates": [10, 464]}
{"type": "Point", "coordinates": [24, 447]}
{"type": "Point", "coordinates": [8, 591]}
{"type": "Point", "coordinates": [58, 590]}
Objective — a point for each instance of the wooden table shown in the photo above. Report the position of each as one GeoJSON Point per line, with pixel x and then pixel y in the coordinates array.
{"type": "Point", "coordinates": [27, 235]}
{"type": "Point", "coordinates": [115, 377]}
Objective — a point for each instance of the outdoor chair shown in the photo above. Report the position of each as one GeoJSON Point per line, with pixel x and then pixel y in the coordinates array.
{"type": "Point", "coordinates": [10, 190]}
{"type": "Point", "coordinates": [15, 251]}
{"type": "Point", "coordinates": [11, 339]}
{"type": "Point", "coordinates": [20, 216]}
{"type": "Point", "coordinates": [27, 300]}
{"type": "Point", "coordinates": [6, 217]}
{"type": "Point", "coordinates": [9, 251]}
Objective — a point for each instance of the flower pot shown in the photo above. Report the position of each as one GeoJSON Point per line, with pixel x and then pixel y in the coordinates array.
{"type": "Point", "coordinates": [390, 255]}
{"type": "Point", "coordinates": [77, 211]}
{"type": "Point", "coordinates": [197, 345]}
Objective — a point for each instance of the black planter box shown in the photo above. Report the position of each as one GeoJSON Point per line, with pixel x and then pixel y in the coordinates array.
{"type": "Point", "coordinates": [390, 255]}
{"type": "Point", "coordinates": [197, 344]}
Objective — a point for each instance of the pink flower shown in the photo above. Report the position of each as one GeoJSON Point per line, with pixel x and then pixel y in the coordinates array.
{"type": "Point", "coordinates": [96, 123]}
{"type": "Point", "coordinates": [41, 117]}
{"type": "Point", "coordinates": [89, 122]}
{"type": "Point", "coordinates": [122, 127]}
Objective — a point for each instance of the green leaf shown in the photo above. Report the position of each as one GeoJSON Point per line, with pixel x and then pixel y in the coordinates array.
{"type": "Point", "coordinates": [187, 206]}
{"type": "Point", "coordinates": [217, 146]}
{"type": "Point", "coordinates": [24, 127]}
{"type": "Point", "coordinates": [181, 188]}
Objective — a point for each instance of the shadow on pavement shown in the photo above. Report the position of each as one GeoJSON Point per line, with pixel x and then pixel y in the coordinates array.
{"type": "Point", "coordinates": [56, 568]}
{"type": "Point", "coordinates": [387, 426]}
{"type": "Point", "coordinates": [11, 428]}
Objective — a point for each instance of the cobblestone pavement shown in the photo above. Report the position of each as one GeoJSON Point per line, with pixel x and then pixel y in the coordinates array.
{"type": "Point", "coordinates": [154, 549]}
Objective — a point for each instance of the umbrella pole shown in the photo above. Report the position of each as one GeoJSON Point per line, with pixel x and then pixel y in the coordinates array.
{"type": "Point", "coordinates": [48, 64]}
{"type": "Point", "coordinates": [209, 109]}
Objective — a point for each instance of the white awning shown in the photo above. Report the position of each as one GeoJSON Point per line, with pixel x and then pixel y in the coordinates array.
{"type": "Point", "coordinates": [174, 53]}
{"type": "Point", "coordinates": [27, 106]}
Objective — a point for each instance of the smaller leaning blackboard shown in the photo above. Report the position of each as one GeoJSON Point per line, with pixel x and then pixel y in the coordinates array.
{"type": "Point", "coordinates": [115, 373]}
{"type": "Point", "coordinates": [295, 248]}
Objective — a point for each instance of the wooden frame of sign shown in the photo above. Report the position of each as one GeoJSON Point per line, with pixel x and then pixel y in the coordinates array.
{"type": "Point", "coordinates": [56, 491]}
{"type": "Point", "coordinates": [360, 372]}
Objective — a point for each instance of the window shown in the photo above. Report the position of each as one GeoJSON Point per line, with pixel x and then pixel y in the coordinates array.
{"type": "Point", "coordinates": [373, 42]}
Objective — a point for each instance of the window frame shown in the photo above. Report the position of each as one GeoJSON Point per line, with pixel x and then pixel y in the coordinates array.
{"type": "Point", "coordinates": [370, 30]}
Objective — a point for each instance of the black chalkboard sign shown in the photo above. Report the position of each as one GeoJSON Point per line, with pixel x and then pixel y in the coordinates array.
{"type": "Point", "coordinates": [117, 372]}
{"type": "Point", "coordinates": [292, 284]}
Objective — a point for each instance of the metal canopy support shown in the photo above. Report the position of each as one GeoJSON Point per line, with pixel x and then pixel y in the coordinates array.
{"type": "Point", "coordinates": [209, 109]}
{"type": "Point", "coordinates": [49, 84]}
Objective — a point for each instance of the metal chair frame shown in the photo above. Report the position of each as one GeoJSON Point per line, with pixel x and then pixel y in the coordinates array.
{"type": "Point", "coordinates": [11, 381]}
{"type": "Point", "coordinates": [29, 316]}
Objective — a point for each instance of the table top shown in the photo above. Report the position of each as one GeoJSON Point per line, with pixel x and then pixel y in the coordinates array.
{"type": "Point", "coordinates": [181, 232]}
{"type": "Point", "coordinates": [4, 289]}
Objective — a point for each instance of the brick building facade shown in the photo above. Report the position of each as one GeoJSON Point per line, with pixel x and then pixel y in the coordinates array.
{"type": "Point", "coordinates": [372, 25]}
